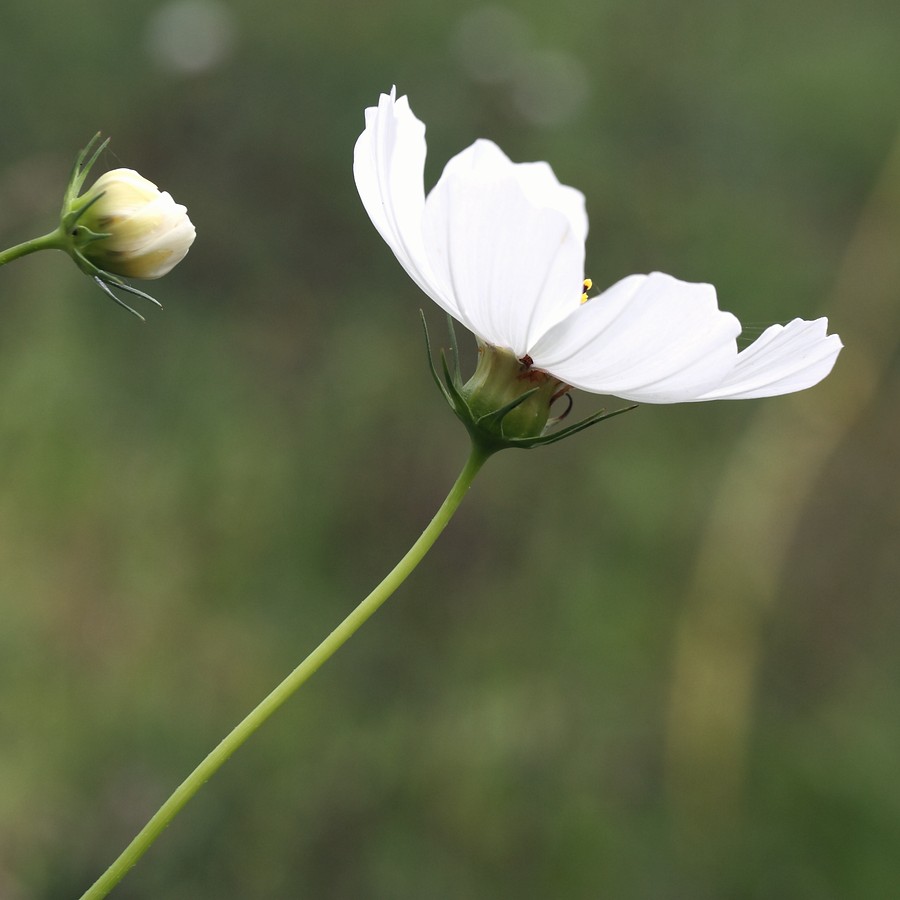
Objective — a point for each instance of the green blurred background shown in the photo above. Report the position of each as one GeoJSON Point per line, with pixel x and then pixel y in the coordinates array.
{"type": "Point", "coordinates": [658, 660]}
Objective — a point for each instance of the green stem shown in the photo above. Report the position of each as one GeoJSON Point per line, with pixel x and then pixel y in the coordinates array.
{"type": "Point", "coordinates": [56, 240]}
{"type": "Point", "coordinates": [148, 834]}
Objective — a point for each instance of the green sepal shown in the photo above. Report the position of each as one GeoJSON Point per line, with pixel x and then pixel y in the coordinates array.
{"type": "Point", "coordinates": [430, 358]}
{"type": "Point", "coordinates": [495, 419]}
{"type": "Point", "coordinates": [80, 172]}
{"type": "Point", "coordinates": [454, 349]}
{"type": "Point", "coordinates": [487, 430]}
{"type": "Point", "coordinates": [106, 281]}
{"type": "Point", "coordinates": [82, 234]}
{"type": "Point", "coordinates": [457, 402]}
{"type": "Point", "coordinates": [554, 436]}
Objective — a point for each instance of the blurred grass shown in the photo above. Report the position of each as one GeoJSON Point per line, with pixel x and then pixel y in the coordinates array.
{"type": "Point", "coordinates": [189, 505]}
{"type": "Point", "coordinates": [718, 654]}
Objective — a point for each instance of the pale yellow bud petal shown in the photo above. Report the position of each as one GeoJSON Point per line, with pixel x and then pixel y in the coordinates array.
{"type": "Point", "coordinates": [148, 233]}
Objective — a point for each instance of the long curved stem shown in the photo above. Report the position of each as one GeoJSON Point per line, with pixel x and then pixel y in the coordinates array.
{"type": "Point", "coordinates": [183, 793]}
{"type": "Point", "coordinates": [52, 241]}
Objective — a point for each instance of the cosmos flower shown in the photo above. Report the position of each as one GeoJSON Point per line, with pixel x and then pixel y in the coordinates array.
{"type": "Point", "coordinates": [500, 247]}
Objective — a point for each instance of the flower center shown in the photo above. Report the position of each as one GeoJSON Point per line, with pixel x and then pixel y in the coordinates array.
{"type": "Point", "coordinates": [588, 284]}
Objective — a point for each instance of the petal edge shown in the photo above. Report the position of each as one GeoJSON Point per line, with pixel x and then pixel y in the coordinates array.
{"type": "Point", "coordinates": [388, 166]}
{"type": "Point", "coordinates": [783, 359]}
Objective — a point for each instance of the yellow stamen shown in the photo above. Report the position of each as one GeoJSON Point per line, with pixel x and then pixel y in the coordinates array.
{"type": "Point", "coordinates": [588, 284]}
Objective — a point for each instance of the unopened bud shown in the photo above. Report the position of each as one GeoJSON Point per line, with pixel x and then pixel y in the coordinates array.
{"type": "Point", "coordinates": [131, 228]}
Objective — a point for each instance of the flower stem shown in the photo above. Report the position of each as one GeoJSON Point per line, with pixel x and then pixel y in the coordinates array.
{"type": "Point", "coordinates": [183, 793]}
{"type": "Point", "coordinates": [53, 241]}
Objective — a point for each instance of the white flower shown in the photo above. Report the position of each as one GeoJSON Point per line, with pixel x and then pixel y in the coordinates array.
{"type": "Point", "coordinates": [500, 246]}
{"type": "Point", "coordinates": [147, 232]}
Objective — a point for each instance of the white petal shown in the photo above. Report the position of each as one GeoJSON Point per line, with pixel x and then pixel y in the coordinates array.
{"type": "Point", "coordinates": [649, 338]}
{"type": "Point", "coordinates": [508, 241]}
{"type": "Point", "coordinates": [781, 360]}
{"type": "Point", "coordinates": [388, 165]}
{"type": "Point", "coordinates": [544, 190]}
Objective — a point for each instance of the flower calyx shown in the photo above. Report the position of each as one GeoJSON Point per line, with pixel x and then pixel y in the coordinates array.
{"type": "Point", "coordinates": [506, 402]}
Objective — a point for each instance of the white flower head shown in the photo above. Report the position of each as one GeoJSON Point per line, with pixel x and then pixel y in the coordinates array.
{"type": "Point", "coordinates": [500, 247]}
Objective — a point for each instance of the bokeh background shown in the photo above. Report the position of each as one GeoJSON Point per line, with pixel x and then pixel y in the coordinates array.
{"type": "Point", "coordinates": [658, 660]}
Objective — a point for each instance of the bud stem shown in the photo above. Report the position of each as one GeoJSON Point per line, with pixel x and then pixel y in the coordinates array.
{"type": "Point", "coordinates": [56, 240]}
{"type": "Point", "coordinates": [133, 852]}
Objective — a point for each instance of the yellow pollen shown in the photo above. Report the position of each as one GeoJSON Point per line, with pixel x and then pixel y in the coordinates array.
{"type": "Point", "coordinates": [588, 284]}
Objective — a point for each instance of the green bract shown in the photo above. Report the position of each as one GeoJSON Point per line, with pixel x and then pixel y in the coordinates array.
{"type": "Point", "coordinates": [506, 402]}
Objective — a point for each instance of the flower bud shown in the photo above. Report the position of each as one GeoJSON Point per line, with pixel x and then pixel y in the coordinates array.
{"type": "Point", "coordinates": [131, 228]}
